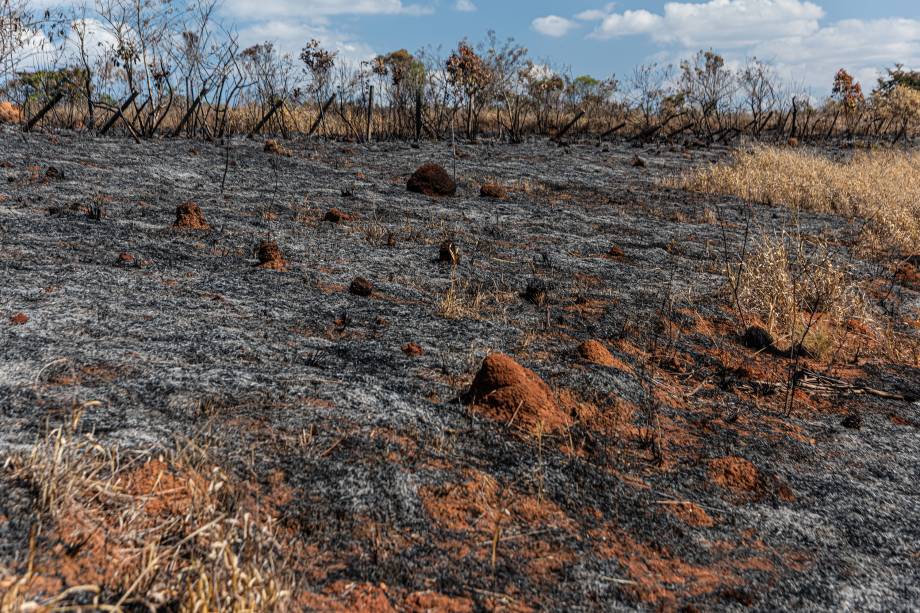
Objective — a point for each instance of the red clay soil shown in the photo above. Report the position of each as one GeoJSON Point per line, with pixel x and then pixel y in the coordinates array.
{"type": "Point", "coordinates": [19, 319]}
{"type": "Point", "coordinates": [493, 190]}
{"type": "Point", "coordinates": [270, 256]}
{"type": "Point", "coordinates": [350, 597]}
{"type": "Point", "coordinates": [431, 180]}
{"type": "Point", "coordinates": [164, 492]}
{"type": "Point", "coordinates": [594, 352]}
{"type": "Point", "coordinates": [505, 391]}
{"type": "Point", "coordinates": [90, 544]}
{"type": "Point", "coordinates": [335, 215]}
{"type": "Point", "coordinates": [189, 216]}
{"type": "Point", "coordinates": [430, 602]}
{"type": "Point", "coordinates": [733, 473]}
{"type": "Point", "coordinates": [690, 513]}
{"type": "Point", "coordinates": [413, 349]}
{"type": "Point", "coordinates": [345, 596]}
{"type": "Point", "coordinates": [656, 576]}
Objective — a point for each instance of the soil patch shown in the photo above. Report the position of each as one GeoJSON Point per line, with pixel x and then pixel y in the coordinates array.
{"type": "Point", "coordinates": [505, 391]}
{"type": "Point", "coordinates": [432, 180]}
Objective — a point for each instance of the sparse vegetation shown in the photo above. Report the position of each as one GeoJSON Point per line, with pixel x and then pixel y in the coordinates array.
{"type": "Point", "coordinates": [570, 377]}
{"type": "Point", "coordinates": [797, 289]}
{"type": "Point", "coordinates": [157, 68]}
{"type": "Point", "coordinates": [165, 528]}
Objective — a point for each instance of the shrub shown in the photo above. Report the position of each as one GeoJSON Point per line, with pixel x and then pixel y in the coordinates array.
{"type": "Point", "coordinates": [793, 287]}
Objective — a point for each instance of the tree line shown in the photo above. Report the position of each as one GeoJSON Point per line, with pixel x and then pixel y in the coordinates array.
{"type": "Point", "coordinates": [161, 67]}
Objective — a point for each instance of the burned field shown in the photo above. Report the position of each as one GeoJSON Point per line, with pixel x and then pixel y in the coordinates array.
{"type": "Point", "coordinates": [533, 395]}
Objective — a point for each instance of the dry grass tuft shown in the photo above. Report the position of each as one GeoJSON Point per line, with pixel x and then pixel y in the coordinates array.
{"type": "Point", "coordinates": [133, 529]}
{"type": "Point", "coordinates": [878, 188]}
{"type": "Point", "coordinates": [793, 286]}
{"type": "Point", "coordinates": [460, 301]}
{"type": "Point", "coordinates": [468, 299]}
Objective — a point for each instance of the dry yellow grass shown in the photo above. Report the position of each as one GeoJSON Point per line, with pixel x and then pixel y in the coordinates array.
{"type": "Point", "coordinates": [164, 530]}
{"type": "Point", "coordinates": [877, 187]}
{"type": "Point", "coordinates": [9, 113]}
{"type": "Point", "coordinates": [797, 289]}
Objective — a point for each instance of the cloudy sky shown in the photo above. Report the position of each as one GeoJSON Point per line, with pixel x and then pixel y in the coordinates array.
{"type": "Point", "coordinates": [807, 40]}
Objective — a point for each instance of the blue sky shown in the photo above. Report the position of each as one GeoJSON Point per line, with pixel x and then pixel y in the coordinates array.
{"type": "Point", "coordinates": [807, 40]}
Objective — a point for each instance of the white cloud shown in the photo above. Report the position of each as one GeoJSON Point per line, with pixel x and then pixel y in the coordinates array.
{"type": "Point", "coordinates": [723, 23]}
{"type": "Point", "coordinates": [308, 9]}
{"type": "Point", "coordinates": [465, 6]}
{"type": "Point", "coordinates": [629, 22]}
{"type": "Point", "coordinates": [553, 25]}
{"type": "Point", "coordinates": [596, 14]}
{"type": "Point", "coordinates": [789, 33]}
{"type": "Point", "coordinates": [863, 47]}
{"type": "Point", "coordinates": [289, 24]}
{"type": "Point", "coordinates": [40, 52]}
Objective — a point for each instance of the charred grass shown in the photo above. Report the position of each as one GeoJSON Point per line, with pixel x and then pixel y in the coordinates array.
{"type": "Point", "coordinates": [192, 431]}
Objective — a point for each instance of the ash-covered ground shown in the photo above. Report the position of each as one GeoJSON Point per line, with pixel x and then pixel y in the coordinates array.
{"type": "Point", "coordinates": [681, 482]}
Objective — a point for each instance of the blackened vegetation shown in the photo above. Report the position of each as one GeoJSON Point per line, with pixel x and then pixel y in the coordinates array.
{"type": "Point", "coordinates": [652, 469]}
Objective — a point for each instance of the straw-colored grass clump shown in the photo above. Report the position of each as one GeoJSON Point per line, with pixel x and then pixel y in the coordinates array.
{"type": "Point", "coordinates": [878, 188]}
{"type": "Point", "coordinates": [800, 292]}
{"type": "Point", "coordinates": [121, 529]}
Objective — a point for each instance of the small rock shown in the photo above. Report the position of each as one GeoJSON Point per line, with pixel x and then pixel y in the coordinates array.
{"type": "Point", "coordinates": [493, 190]}
{"type": "Point", "coordinates": [413, 349]}
{"type": "Point", "coordinates": [189, 216]}
{"type": "Point", "coordinates": [276, 148]}
{"type": "Point", "coordinates": [335, 215]}
{"type": "Point", "coordinates": [361, 287]}
{"type": "Point", "coordinates": [756, 338]}
{"type": "Point", "coordinates": [54, 173]}
{"type": "Point", "coordinates": [638, 162]}
{"type": "Point", "coordinates": [616, 253]}
{"type": "Point", "coordinates": [95, 212]}
{"type": "Point", "coordinates": [270, 256]}
{"type": "Point", "coordinates": [536, 292]}
{"type": "Point", "coordinates": [594, 352]}
{"type": "Point", "coordinates": [512, 395]}
{"type": "Point", "coordinates": [853, 421]}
